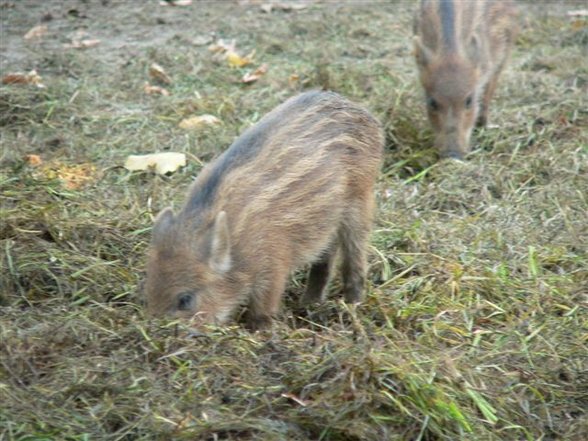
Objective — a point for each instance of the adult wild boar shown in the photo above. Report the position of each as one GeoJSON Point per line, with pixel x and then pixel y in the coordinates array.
{"type": "Point", "coordinates": [461, 47]}
{"type": "Point", "coordinates": [293, 189]}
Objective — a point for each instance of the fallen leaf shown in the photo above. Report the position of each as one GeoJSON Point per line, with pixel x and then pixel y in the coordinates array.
{"type": "Point", "coordinates": [255, 75]}
{"type": "Point", "coordinates": [78, 35]}
{"type": "Point", "coordinates": [201, 40]}
{"type": "Point", "coordinates": [196, 122]}
{"type": "Point", "coordinates": [293, 79]}
{"type": "Point", "coordinates": [293, 6]}
{"type": "Point", "coordinates": [162, 163]}
{"type": "Point", "coordinates": [23, 78]}
{"type": "Point", "coordinates": [80, 40]}
{"type": "Point", "coordinates": [267, 7]}
{"type": "Point", "coordinates": [155, 90]}
{"type": "Point", "coordinates": [82, 43]}
{"type": "Point", "coordinates": [33, 160]}
{"type": "Point", "coordinates": [16, 78]}
{"type": "Point", "coordinates": [175, 3]}
{"type": "Point", "coordinates": [36, 33]}
{"type": "Point", "coordinates": [222, 46]}
{"type": "Point", "coordinates": [73, 176]}
{"type": "Point", "coordinates": [226, 49]}
{"type": "Point", "coordinates": [158, 73]}
{"type": "Point", "coordinates": [283, 6]}
{"type": "Point", "coordinates": [90, 42]}
{"type": "Point", "coordinates": [236, 60]}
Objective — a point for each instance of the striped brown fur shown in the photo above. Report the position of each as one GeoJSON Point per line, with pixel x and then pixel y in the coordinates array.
{"type": "Point", "coordinates": [461, 48]}
{"type": "Point", "coordinates": [294, 189]}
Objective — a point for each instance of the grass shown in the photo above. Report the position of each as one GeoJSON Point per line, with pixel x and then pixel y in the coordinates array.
{"type": "Point", "coordinates": [474, 327]}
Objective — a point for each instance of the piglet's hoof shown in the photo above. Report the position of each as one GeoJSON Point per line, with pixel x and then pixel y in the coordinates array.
{"type": "Point", "coordinates": [259, 322]}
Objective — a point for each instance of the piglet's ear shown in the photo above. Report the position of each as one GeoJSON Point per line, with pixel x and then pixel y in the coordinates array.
{"type": "Point", "coordinates": [474, 49]}
{"type": "Point", "coordinates": [220, 250]}
{"type": "Point", "coordinates": [423, 54]}
{"type": "Point", "coordinates": [163, 225]}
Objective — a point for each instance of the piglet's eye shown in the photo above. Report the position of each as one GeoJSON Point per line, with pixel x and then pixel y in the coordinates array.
{"type": "Point", "coordinates": [186, 301]}
{"type": "Point", "coordinates": [433, 104]}
{"type": "Point", "coordinates": [468, 102]}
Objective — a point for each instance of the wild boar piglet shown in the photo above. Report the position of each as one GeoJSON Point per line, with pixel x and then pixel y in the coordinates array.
{"type": "Point", "coordinates": [461, 48]}
{"type": "Point", "coordinates": [295, 188]}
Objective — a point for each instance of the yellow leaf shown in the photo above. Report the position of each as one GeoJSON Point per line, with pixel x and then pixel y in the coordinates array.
{"type": "Point", "coordinates": [158, 73]}
{"type": "Point", "coordinates": [267, 7]}
{"type": "Point", "coordinates": [222, 46]}
{"type": "Point", "coordinates": [155, 90]}
{"type": "Point", "coordinates": [196, 122]}
{"type": "Point", "coordinates": [23, 78]}
{"type": "Point", "coordinates": [36, 33]}
{"type": "Point", "coordinates": [72, 176]}
{"type": "Point", "coordinates": [578, 25]}
{"type": "Point", "coordinates": [284, 6]}
{"type": "Point", "coordinates": [255, 75]}
{"type": "Point", "coordinates": [33, 160]}
{"type": "Point", "coordinates": [175, 3]}
{"type": "Point", "coordinates": [162, 163]}
{"type": "Point", "coordinates": [75, 176]}
{"type": "Point", "coordinates": [236, 60]}
{"type": "Point", "coordinates": [88, 42]}
{"type": "Point", "coordinates": [293, 79]}
{"type": "Point", "coordinates": [80, 40]}
{"type": "Point", "coordinates": [201, 40]}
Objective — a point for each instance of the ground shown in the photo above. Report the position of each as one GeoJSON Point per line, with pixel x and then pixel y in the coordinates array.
{"type": "Point", "coordinates": [475, 322]}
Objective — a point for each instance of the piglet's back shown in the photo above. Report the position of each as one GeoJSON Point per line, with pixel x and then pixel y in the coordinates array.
{"type": "Point", "coordinates": [295, 172]}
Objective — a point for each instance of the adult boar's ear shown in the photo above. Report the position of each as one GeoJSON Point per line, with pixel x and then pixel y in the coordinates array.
{"type": "Point", "coordinates": [220, 250]}
{"type": "Point", "coordinates": [422, 53]}
{"type": "Point", "coordinates": [163, 224]}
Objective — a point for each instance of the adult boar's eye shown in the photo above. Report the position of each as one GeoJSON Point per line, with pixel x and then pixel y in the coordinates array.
{"type": "Point", "coordinates": [432, 103]}
{"type": "Point", "coordinates": [468, 102]}
{"type": "Point", "coordinates": [185, 301]}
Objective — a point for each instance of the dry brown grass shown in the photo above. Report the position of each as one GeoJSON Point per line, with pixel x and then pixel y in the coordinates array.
{"type": "Point", "coordinates": [475, 322]}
